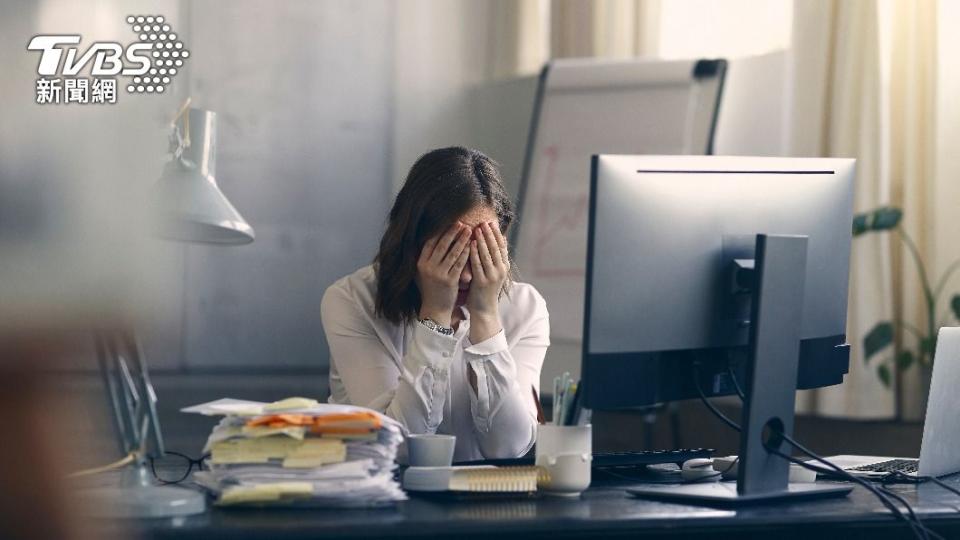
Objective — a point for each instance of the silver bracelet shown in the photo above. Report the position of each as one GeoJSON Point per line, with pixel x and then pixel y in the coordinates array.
{"type": "Point", "coordinates": [436, 327]}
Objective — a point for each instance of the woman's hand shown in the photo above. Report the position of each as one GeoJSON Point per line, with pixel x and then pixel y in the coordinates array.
{"type": "Point", "coordinates": [438, 272]}
{"type": "Point", "coordinates": [490, 264]}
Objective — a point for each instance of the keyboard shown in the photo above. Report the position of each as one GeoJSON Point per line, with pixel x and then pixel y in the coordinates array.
{"type": "Point", "coordinates": [905, 466]}
{"type": "Point", "coordinates": [615, 460]}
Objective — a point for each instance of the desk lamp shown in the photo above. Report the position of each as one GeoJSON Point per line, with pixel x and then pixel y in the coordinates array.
{"type": "Point", "coordinates": [190, 208]}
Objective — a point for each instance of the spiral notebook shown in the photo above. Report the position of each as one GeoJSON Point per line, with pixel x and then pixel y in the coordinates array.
{"type": "Point", "coordinates": [474, 479]}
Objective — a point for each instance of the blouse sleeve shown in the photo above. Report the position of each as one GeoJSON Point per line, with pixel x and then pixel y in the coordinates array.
{"type": "Point", "coordinates": [504, 412]}
{"type": "Point", "coordinates": [414, 393]}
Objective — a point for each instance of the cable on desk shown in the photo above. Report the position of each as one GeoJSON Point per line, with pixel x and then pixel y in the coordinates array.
{"type": "Point", "coordinates": [900, 477]}
{"type": "Point", "coordinates": [927, 531]}
{"type": "Point", "coordinates": [876, 492]}
{"type": "Point", "coordinates": [883, 495]}
{"type": "Point", "coordinates": [916, 525]}
{"type": "Point", "coordinates": [119, 464]}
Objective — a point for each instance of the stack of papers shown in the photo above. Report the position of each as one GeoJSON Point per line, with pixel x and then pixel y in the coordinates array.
{"type": "Point", "coordinates": [300, 452]}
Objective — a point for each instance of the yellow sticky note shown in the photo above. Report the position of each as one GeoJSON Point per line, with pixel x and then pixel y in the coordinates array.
{"type": "Point", "coordinates": [291, 403]}
{"type": "Point", "coordinates": [351, 436]}
{"type": "Point", "coordinates": [316, 452]}
{"type": "Point", "coordinates": [265, 493]}
{"type": "Point", "coordinates": [258, 450]}
{"type": "Point", "coordinates": [296, 432]}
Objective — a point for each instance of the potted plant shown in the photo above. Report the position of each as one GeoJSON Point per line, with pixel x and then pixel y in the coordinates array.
{"type": "Point", "coordinates": [911, 345]}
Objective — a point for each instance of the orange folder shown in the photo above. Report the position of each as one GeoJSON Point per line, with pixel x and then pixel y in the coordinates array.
{"type": "Point", "coordinates": [342, 423]}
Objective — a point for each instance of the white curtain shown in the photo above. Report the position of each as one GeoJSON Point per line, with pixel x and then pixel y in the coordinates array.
{"type": "Point", "coordinates": [863, 80]}
{"type": "Point", "coordinates": [603, 28]}
{"type": "Point", "coordinates": [946, 190]}
{"type": "Point", "coordinates": [914, 156]}
{"type": "Point", "coordinates": [837, 107]}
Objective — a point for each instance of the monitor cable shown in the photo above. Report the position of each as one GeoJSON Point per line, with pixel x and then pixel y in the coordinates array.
{"type": "Point", "coordinates": [920, 531]}
{"type": "Point", "coordinates": [892, 477]}
{"type": "Point", "coordinates": [882, 493]}
{"type": "Point", "coordinates": [838, 473]}
{"type": "Point", "coordinates": [703, 398]}
{"type": "Point", "coordinates": [736, 384]}
{"type": "Point", "coordinates": [898, 477]}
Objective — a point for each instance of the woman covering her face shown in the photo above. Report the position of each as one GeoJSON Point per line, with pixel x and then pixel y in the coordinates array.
{"type": "Point", "coordinates": [436, 333]}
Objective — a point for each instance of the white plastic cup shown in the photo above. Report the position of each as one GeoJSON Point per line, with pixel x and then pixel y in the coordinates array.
{"type": "Point", "coordinates": [430, 449]}
{"type": "Point", "coordinates": [566, 453]}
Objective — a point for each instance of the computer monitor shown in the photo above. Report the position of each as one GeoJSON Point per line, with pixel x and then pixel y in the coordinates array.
{"type": "Point", "coordinates": [666, 235]}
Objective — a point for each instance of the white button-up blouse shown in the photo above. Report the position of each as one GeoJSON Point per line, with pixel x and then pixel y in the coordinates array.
{"type": "Point", "coordinates": [419, 376]}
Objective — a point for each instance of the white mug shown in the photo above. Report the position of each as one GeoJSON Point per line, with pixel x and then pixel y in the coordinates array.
{"type": "Point", "coordinates": [430, 449]}
{"type": "Point", "coordinates": [566, 452]}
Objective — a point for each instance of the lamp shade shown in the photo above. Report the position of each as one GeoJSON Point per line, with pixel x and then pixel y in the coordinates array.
{"type": "Point", "coordinates": [190, 205]}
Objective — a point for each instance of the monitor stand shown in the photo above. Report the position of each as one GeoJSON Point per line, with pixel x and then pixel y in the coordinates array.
{"type": "Point", "coordinates": [771, 382]}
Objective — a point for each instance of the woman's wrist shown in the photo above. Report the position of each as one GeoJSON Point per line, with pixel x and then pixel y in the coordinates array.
{"type": "Point", "coordinates": [492, 315]}
{"type": "Point", "coordinates": [483, 326]}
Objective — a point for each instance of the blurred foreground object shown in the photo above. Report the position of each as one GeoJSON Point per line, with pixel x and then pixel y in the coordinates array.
{"type": "Point", "coordinates": [34, 458]}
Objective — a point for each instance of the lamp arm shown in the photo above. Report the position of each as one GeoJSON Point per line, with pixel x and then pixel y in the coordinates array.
{"type": "Point", "coordinates": [149, 403]}
{"type": "Point", "coordinates": [111, 384]}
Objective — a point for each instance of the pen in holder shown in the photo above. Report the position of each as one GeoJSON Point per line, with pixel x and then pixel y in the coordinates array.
{"type": "Point", "coordinates": [565, 452]}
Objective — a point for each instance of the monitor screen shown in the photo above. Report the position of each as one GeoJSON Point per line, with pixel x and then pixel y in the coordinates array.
{"type": "Point", "coordinates": [663, 236]}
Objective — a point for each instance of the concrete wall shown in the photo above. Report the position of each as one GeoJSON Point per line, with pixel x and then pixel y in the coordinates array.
{"type": "Point", "coordinates": [303, 97]}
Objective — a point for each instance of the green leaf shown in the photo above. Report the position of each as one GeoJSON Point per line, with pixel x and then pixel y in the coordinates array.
{"type": "Point", "coordinates": [928, 345]}
{"type": "Point", "coordinates": [877, 339]}
{"type": "Point", "coordinates": [885, 218]}
{"type": "Point", "coordinates": [883, 371]}
{"type": "Point", "coordinates": [955, 306]}
{"type": "Point", "coordinates": [904, 360]}
{"type": "Point", "coordinates": [860, 224]}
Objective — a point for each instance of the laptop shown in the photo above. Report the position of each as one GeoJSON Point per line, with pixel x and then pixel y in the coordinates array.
{"type": "Point", "coordinates": [940, 446]}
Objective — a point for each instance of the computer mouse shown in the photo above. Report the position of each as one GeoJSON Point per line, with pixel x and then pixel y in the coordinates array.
{"type": "Point", "coordinates": [697, 463]}
{"type": "Point", "coordinates": [727, 465]}
{"type": "Point", "coordinates": [698, 469]}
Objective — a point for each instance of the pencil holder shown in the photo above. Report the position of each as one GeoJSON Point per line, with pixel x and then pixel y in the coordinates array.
{"type": "Point", "coordinates": [565, 452]}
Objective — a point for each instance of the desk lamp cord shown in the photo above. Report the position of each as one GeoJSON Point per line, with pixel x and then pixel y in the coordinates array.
{"type": "Point", "coordinates": [919, 530]}
{"type": "Point", "coordinates": [119, 464]}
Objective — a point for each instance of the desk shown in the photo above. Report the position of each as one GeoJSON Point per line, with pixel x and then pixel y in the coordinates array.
{"type": "Point", "coordinates": [601, 512]}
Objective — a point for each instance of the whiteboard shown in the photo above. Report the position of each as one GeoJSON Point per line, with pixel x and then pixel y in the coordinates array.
{"type": "Point", "coordinates": [755, 111]}
{"type": "Point", "coordinates": [586, 107]}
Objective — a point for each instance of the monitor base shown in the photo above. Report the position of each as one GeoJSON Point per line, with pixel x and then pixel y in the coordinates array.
{"type": "Point", "coordinates": [725, 493]}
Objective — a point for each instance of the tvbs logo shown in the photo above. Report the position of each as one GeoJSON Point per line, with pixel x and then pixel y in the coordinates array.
{"type": "Point", "coordinates": [150, 63]}
{"type": "Point", "coordinates": [107, 56]}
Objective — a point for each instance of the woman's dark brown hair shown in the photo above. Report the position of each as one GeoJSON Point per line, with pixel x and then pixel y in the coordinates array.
{"type": "Point", "coordinates": [442, 186]}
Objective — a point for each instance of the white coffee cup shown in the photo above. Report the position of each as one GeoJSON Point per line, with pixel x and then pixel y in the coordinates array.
{"type": "Point", "coordinates": [566, 453]}
{"type": "Point", "coordinates": [430, 449]}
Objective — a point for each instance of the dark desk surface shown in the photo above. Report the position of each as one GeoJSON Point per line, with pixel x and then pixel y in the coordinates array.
{"type": "Point", "coordinates": [600, 512]}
